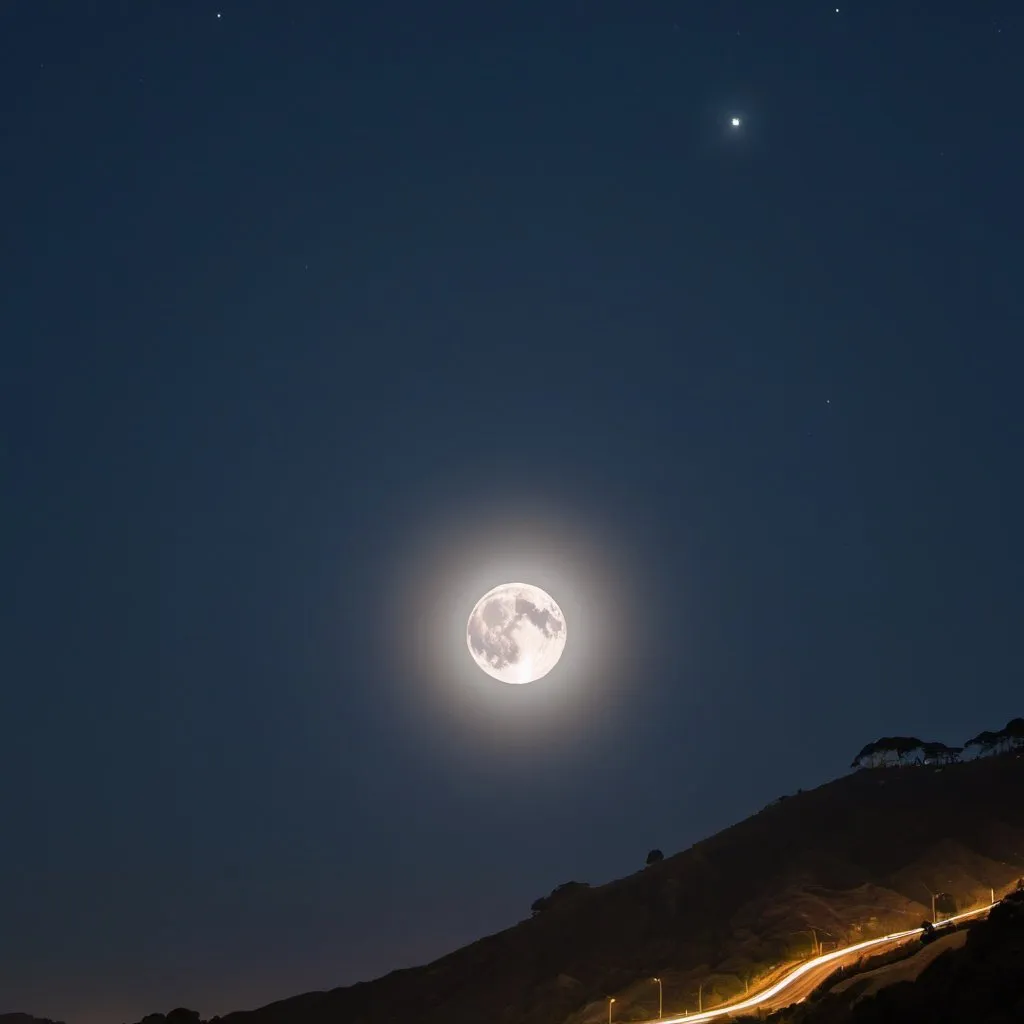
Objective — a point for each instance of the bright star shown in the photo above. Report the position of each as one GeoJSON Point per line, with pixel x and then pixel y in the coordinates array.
{"type": "Point", "coordinates": [735, 122]}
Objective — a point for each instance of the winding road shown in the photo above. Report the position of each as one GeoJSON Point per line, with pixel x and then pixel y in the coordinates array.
{"type": "Point", "coordinates": [803, 980]}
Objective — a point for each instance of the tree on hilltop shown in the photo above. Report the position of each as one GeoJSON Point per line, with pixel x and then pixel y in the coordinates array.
{"type": "Point", "coordinates": [905, 745]}
{"type": "Point", "coordinates": [890, 750]}
{"type": "Point", "coordinates": [1007, 739]}
{"type": "Point", "coordinates": [885, 750]}
{"type": "Point", "coordinates": [1014, 732]}
{"type": "Point", "coordinates": [939, 753]}
{"type": "Point", "coordinates": [557, 895]}
{"type": "Point", "coordinates": [655, 857]}
{"type": "Point", "coordinates": [182, 1015]}
{"type": "Point", "coordinates": [985, 742]}
{"type": "Point", "coordinates": [866, 758]}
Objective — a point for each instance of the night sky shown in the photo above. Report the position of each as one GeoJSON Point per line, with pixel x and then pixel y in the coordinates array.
{"type": "Point", "coordinates": [320, 319]}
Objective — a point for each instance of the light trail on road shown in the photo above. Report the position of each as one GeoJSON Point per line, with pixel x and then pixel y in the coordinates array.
{"type": "Point", "coordinates": [832, 959]}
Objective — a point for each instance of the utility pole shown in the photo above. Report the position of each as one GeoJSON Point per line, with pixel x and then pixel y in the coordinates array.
{"type": "Point", "coordinates": [700, 998]}
{"type": "Point", "coordinates": [611, 999]}
{"type": "Point", "coordinates": [658, 980]}
{"type": "Point", "coordinates": [930, 893]}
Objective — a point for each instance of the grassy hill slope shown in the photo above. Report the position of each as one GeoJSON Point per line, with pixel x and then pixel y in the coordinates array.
{"type": "Point", "coordinates": [979, 979]}
{"type": "Point", "coordinates": [851, 859]}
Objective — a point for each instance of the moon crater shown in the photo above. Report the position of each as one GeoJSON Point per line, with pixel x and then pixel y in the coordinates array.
{"type": "Point", "coordinates": [516, 633]}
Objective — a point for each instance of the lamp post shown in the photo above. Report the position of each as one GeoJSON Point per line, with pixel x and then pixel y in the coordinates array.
{"type": "Point", "coordinates": [930, 893]}
{"type": "Point", "coordinates": [700, 998]}
{"type": "Point", "coordinates": [658, 980]}
{"type": "Point", "coordinates": [611, 999]}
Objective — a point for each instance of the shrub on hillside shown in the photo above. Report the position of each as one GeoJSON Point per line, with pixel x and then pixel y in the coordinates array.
{"type": "Point", "coordinates": [557, 896]}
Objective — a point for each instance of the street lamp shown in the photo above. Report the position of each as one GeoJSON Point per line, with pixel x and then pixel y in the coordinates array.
{"type": "Point", "coordinates": [930, 893]}
{"type": "Point", "coordinates": [611, 999]}
{"type": "Point", "coordinates": [658, 980]}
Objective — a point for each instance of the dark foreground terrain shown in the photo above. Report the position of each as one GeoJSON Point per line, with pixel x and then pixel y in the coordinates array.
{"type": "Point", "coordinates": [856, 858]}
{"type": "Point", "coordinates": [982, 982]}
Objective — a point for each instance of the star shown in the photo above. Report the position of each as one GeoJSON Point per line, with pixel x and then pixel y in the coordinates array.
{"type": "Point", "coordinates": [735, 122]}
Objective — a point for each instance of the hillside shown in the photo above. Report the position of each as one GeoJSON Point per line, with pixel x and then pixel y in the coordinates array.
{"type": "Point", "coordinates": [853, 858]}
{"type": "Point", "coordinates": [975, 975]}
{"type": "Point", "coordinates": [24, 1018]}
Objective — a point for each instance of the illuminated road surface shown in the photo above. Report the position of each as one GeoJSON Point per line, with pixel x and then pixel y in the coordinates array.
{"type": "Point", "coordinates": [803, 980]}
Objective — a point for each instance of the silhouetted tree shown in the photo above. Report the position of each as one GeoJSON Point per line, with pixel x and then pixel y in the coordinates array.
{"type": "Point", "coordinates": [557, 895]}
{"type": "Point", "coordinates": [940, 753]}
{"type": "Point", "coordinates": [1014, 732]}
{"type": "Point", "coordinates": [655, 857]}
{"type": "Point", "coordinates": [867, 758]}
{"type": "Point", "coordinates": [181, 1015]}
{"type": "Point", "coordinates": [904, 745]}
{"type": "Point", "coordinates": [985, 742]}
{"type": "Point", "coordinates": [882, 751]}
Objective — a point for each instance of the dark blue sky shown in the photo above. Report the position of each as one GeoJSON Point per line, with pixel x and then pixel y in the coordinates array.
{"type": "Point", "coordinates": [308, 306]}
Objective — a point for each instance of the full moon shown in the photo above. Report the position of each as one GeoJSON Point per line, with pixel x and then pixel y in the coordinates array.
{"type": "Point", "coordinates": [516, 633]}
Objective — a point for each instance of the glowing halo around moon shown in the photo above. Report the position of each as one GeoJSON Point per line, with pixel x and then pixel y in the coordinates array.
{"type": "Point", "coordinates": [469, 535]}
{"type": "Point", "coordinates": [516, 633]}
